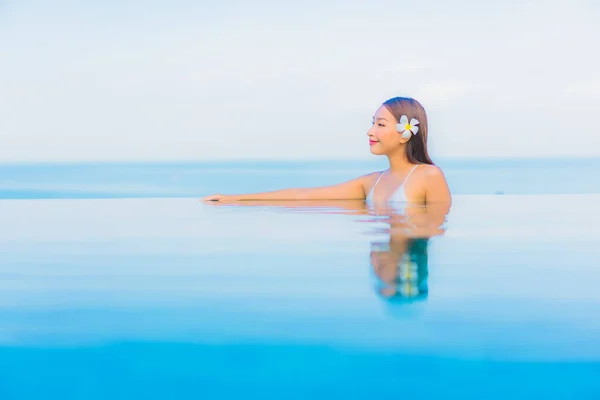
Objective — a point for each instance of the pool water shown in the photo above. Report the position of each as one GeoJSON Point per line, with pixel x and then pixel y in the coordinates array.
{"type": "Point", "coordinates": [160, 298]}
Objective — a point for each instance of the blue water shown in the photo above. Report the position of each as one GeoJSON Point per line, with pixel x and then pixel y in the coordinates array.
{"type": "Point", "coordinates": [161, 296]}
{"type": "Point", "coordinates": [119, 180]}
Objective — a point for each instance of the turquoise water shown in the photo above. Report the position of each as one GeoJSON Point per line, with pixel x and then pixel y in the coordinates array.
{"type": "Point", "coordinates": [161, 296]}
{"type": "Point", "coordinates": [119, 180]}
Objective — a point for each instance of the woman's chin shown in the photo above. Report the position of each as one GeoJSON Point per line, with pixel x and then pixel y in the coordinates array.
{"type": "Point", "coordinates": [376, 151]}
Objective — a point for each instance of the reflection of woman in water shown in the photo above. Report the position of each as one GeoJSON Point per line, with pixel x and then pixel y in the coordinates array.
{"type": "Point", "coordinates": [401, 268]}
{"type": "Point", "coordinates": [400, 264]}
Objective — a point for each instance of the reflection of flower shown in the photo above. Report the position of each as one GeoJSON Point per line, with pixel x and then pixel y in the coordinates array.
{"type": "Point", "coordinates": [401, 272]}
{"type": "Point", "coordinates": [408, 270]}
{"type": "Point", "coordinates": [405, 127]}
{"type": "Point", "coordinates": [408, 290]}
{"type": "Point", "coordinates": [408, 278]}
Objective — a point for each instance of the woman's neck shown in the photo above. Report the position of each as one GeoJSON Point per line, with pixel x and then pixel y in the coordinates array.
{"type": "Point", "coordinates": [399, 163]}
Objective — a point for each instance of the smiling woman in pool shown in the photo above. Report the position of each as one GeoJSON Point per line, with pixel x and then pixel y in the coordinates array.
{"type": "Point", "coordinates": [399, 132]}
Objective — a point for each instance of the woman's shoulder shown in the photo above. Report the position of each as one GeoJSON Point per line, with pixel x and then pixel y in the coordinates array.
{"type": "Point", "coordinates": [431, 171]}
{"type": "Point", "coordinates": [428, 174]}
{"type": "Point", "coordinates": [434, 183]}
{"type": "Point", "coordinates": [368, 180]}
{"type": "Point", "coordinates": [372, 176]}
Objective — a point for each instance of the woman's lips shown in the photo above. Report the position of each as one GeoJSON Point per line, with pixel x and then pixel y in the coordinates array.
{"type": "Point", "coordinates": [373, 142]}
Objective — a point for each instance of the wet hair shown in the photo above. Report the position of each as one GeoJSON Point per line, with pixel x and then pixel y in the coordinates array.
{"type": "Point", "coordinates": [416, 147]}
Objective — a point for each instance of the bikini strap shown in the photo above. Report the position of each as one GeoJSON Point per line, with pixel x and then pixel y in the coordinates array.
{"type": "Point", "coordinates": [411, 171]}
{"type": "Point", "coordinates": [380, 175]}
{"type": "Point", "coordinates": [377, 181]}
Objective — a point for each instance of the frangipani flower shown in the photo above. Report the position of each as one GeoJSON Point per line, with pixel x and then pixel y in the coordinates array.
{"type": "Point", "coordinates": [405, 127]}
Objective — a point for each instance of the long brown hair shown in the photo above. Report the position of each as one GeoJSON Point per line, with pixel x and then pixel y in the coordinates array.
{"type": "Point", "coordinates": [416, 147]}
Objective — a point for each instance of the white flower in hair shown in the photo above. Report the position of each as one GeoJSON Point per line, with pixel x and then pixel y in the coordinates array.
{"type": "Point", "coordinates": [405, 127]}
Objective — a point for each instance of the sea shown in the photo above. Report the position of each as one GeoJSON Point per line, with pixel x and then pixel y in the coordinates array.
{"type": "Point", "coordinates": [196, 179]}
{"type": "Point", "coordinates": [117, 282]}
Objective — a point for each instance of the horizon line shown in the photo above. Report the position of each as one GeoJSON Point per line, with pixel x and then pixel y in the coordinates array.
{"type": "Point", "coordinates": [288, 159]}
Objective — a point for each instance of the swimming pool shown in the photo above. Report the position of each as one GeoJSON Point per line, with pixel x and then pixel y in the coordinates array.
{"type": "Point", "coordinates": [165, 298]}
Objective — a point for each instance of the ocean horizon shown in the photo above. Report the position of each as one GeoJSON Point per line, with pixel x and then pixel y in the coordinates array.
{"type": "Point", "coordinates": [547, 175]}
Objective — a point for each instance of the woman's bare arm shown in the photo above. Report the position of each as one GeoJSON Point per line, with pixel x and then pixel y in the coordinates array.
{"type": "Point", "coordinates": [349, 190]}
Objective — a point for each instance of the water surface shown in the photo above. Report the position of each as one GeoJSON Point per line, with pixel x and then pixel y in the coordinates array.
{"type": "Point", "coordinates": [173, 298]}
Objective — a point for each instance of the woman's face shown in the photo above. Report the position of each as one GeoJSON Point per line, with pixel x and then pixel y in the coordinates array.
{"type": "Point", "coordinates": [383, 136]}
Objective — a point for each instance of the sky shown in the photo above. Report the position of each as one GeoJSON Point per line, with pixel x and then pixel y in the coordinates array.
{"type": "Point", "coordinates": [193, 80]}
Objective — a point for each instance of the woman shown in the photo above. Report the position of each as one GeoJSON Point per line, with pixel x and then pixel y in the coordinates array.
{"type": "Point", "coordinates": [399, 132]}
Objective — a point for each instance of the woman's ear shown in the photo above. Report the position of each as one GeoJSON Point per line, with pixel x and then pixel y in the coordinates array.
{"type": "Point", "coordinates": [404, 137]}
{"type": "Point", "coordinates": [404, 133]}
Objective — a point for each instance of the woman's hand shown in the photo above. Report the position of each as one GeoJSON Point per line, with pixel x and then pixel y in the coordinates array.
{"type": "Point", "coordinates": [222, 198]}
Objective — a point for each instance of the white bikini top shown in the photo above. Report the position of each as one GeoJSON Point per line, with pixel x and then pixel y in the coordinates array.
{"type": "Point", "coordinates": [398, 195]}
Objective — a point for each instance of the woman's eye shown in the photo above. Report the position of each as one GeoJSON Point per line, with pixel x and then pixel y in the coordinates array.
{"type": "Point", "coordinates": [381, 124]}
